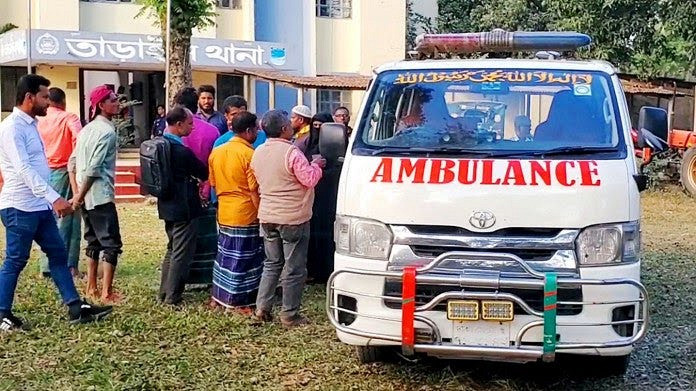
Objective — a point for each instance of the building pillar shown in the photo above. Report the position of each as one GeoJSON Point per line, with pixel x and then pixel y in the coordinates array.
{"type": "Point", "coordinates": [271, 95]}
{"type": "Point", "coordinates": [300, 95]}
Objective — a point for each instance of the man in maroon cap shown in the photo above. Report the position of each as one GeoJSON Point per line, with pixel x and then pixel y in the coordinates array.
{"type": "Point", "coordinates": [94, 162]}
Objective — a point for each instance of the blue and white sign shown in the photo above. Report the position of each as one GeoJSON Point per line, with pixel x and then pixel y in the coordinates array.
{"type": "Point", "coordinates": [53, 46]}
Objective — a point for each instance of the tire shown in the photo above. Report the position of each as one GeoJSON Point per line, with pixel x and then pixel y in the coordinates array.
{"type": "Point", "coordinates": [370, 354]}
{"type": "Point", "coordinates": [609, 366]}
{"type": "Point", "coordinates": [688, 171]}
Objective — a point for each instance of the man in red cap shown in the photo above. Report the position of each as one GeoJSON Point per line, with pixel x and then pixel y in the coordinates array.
{"type": "Point", "coordinates": [94, 162]}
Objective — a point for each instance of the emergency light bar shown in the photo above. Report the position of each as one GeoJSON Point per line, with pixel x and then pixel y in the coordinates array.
{"type": "Point", "coordinates": [500, 41]}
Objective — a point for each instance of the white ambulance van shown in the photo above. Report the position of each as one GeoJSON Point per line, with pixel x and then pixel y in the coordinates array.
{"type": "Point", "coordinates": [489, 208]}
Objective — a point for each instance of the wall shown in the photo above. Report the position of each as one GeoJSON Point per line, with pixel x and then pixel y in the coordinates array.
{"type": "Point", "coordinates": [381, 42]}
{"type": "Point", "coordinates": [115, 18]}
{"type": "Point", "coordinates": [338, 44]}
{"type": "Point", "coordinates": [60, 76]}
{"type": "Point", "coordinates": [288, 22]}
{"type": "Point", "coordinates": [201, 77]}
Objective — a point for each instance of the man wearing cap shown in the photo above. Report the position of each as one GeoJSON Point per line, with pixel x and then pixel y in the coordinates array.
{"type": "Point", "coordinates": [95, 166]}
{"type": "Point", "coordinates": [28, 204]}
{"type": "Point", "coordinates": [59, 130]}
{"type": "Point", "coordinates": [300, 121]}
{"type": "Point", "coordinates": [523, 129]}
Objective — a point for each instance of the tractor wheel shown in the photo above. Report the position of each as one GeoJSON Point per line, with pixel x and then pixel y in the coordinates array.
{"type": "Point", "coordinates": [688, 171]}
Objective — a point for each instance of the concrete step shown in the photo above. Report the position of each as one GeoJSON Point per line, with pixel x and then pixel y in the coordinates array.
{"type": "Point", "coordinates": [130, 198]}
{"type": "Point", "coordinates": [127, 189]}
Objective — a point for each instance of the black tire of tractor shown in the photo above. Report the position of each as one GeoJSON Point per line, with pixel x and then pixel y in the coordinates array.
{"type": "Point", "coordinates": [688, 171]}
{"type": "Point", "coordinates": [370, 354]}
{"type": "Point", "coordinates": [610, 366]}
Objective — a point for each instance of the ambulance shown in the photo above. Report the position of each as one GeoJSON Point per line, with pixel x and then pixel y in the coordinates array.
{"type": "Point", "coordinates": [489, 206]}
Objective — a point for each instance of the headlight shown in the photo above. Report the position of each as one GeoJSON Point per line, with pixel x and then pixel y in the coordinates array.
{"type": "Point", "coordinates": [362, 238]}
{"type": "Point", "coordinates": [608, 244]}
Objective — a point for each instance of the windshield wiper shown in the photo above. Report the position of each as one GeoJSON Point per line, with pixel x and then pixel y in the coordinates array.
{"type": "Point", "coordinates": [556, 151]}
{"type": "Point", "coordinates": [431, 151]}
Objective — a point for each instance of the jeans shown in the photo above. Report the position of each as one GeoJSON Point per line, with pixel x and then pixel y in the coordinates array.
{"type": "Point", "coordinates": [69, 226]}
{"type": "Point", "coordinates": [286, 253]}
{"type": "Point", "coordinates": [175, 266]}
{"type": "Point", "coordinates": [21, 229]}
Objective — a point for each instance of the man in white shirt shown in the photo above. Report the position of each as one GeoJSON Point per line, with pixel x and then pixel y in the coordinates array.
{"type": "Point", "coordinates": [27, 204]}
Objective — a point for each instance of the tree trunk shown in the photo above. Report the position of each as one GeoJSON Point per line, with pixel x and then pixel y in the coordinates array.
{"type": "Point", "coordinates": [179, 64]}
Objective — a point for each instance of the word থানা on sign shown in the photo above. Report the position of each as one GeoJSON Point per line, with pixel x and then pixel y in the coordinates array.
{"type": "Point", "coordinates": [565, 173]}
{"type": "Point", "coordinates": [487, 76]}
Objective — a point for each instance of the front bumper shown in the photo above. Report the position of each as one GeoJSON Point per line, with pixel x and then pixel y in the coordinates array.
{"type": "Point", "coordinates": [592, 331]}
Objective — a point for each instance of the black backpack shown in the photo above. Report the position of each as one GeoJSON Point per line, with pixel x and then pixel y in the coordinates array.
{"type": "Point", "coordinates": [155, 166]}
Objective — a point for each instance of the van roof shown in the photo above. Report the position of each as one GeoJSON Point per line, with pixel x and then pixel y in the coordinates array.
{"type": "Point", "coordinates": [505, 63]}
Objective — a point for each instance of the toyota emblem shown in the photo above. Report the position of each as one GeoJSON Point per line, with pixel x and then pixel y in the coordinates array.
{"type": "Point", "coordinates": [482, 220]}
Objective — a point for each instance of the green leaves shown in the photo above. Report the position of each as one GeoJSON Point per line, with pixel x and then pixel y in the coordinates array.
{"type": "Point", "coordinates": [647, 37]}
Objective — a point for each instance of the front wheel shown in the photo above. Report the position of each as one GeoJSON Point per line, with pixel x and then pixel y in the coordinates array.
{"type": "Point", "coordinates": [688, 171]}
{"type": "Point", "coordinates": [370, 354]}
{"type": "Point", "coordinates": [605, 366]}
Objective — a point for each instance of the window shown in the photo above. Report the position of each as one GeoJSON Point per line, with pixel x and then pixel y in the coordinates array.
{"type": "Point", "coordinates": [10, 77]}
{"type": "Point", "coordinates": [329, 100]}
{"type": "Point", "coordinates": [339, 9]}
{"type": "Point", "coordinates": [496, 111]}
{"type": "Point", "coordinates": [230, 4]}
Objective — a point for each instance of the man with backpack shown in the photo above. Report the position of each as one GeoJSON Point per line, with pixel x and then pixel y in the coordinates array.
{"type": "Point", "coordinates": [179, 204]}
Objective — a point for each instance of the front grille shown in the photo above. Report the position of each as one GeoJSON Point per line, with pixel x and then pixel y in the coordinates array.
{"type": "Point", "coordinates": [533, 297]}
{"type": "Point", "coordinates": [529, 255]}
{"type": "Point", "coordinates": [532, 233]}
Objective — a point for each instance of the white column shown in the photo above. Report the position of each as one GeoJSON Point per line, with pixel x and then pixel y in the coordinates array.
{"type": "Point", "coordinates": [300, 95]}
{"type": "Point", "coordinates": [271, 94]}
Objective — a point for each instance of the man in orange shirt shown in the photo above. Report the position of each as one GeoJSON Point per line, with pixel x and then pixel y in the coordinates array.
{"type": "Point", "coordinates": [239, 263]}
{"type": "Point", "coordinates": [58, 131]}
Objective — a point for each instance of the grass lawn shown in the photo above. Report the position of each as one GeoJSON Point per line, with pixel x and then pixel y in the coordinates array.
{"type": "Point", "coordinates": [144, 346]}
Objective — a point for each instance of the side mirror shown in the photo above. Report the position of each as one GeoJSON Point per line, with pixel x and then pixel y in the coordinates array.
{"type": "Point", "coordinates": [332, 141]}
{"type": "Point", "coordinates": [654, 120]}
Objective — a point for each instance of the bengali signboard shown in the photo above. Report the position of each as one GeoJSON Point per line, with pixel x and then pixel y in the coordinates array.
{"type": "Point", "coordinates": [13, 46]}
{"type": "Point", "coordinates": [109, 48]}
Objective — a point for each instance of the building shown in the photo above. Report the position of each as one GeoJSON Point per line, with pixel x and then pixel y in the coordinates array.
{"type": "Point", "coordinates": [277, 53]}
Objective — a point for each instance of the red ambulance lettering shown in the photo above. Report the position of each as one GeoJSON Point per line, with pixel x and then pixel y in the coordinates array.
{"type": "Point", "coordinates": [384, 171]}
{"type": "Point", "coordinates": [562, 173]}
{"type": "Point", "coordinates": [514, 172]}
{"type": "Point", "coordinates": [441, 175]}
{"type": "Point", "coordinates": [408, 169]}
{"type": "Point", "coordinates": [467, 171]}
{"type": "Point", "coordinates": [540, 171]}
{"type": "Point", "coordinates": [588, 173]}
{"type": "Point", "coordinates": [488, 172]}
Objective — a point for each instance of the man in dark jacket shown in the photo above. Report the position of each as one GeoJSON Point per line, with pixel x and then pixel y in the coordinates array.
{"type": "Point", "coordinates": [181, 208]}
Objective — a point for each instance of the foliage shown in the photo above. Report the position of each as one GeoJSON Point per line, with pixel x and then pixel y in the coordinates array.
{"type": "Point", "coordinates": [145, 346]}
{"type": "Point", "coordinates": [7, 27]}
{"type": "Point", "coordinates": [415, 23]}
{"type": "Point", "coordinates": [186, 16]}
{"type": "Point", "coordinates": [646, 37]}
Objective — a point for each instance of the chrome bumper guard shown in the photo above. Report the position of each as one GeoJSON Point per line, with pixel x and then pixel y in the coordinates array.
{"type": "Point", "coordinates": [472, 279]}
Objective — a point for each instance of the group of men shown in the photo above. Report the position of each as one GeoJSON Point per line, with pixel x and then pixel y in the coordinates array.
{"type": "Point", "coordinates": [262, 187]}
{"type": "Point", "coordinates": [58, 175]}
{"type": "Point", "coordinates": [78, 178]}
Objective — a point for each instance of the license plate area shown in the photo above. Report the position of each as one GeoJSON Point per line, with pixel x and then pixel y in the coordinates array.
{"type": "Point", "coordinates": [481, 333]}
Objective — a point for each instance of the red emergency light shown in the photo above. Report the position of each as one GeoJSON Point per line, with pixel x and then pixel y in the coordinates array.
{"type": "Point", "coordinates": [500, 41]}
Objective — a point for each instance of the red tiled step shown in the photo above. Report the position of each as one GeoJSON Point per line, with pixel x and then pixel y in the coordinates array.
{"type": "Point", "coordinates": [125, 177]}
{"type": "Point", "coordinates": [127, 189]}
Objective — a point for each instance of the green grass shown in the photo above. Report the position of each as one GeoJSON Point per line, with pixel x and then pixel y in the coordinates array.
{"type": "Point", "coordinates": [145, 346]}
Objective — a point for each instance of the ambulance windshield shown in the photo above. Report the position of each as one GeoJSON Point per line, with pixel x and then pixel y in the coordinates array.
{"type": "Point", "coordinates": [491, 110]}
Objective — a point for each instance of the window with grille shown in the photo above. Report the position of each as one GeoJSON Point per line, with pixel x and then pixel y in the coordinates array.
{"type": "Point", "coordinates": [330, 100]}
{"type": "Point", "coordinates": [339, 9]}
{"type": "Point", "coordinates": [230, 4]}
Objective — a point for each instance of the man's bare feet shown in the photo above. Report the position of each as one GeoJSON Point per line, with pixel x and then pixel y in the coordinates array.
{"type": "Point", "coordinates": [111, 298]}
{"type": "Point", "coordinates": [92, 293]}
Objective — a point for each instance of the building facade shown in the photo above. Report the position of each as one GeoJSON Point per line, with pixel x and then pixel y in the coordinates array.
{"type": "Point", "coordinates": [276, 53]}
